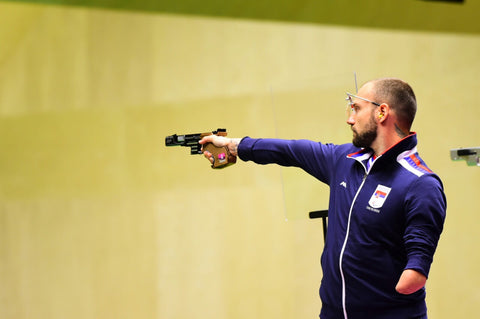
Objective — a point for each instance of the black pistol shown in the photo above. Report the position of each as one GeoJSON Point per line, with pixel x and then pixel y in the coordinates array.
{"type": "Point", "coordinates": [221, 155]}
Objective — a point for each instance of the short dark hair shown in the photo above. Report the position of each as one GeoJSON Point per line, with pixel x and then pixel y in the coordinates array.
{"type": "Point", "coordinates": [399, 95]}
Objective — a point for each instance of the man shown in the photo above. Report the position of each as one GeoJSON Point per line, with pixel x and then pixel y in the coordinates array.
{"type": "Point", "coordinates": [386, 209]}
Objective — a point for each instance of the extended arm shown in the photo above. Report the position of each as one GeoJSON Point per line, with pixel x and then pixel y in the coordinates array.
{"type": "Point", "coordinates": [313, 157]}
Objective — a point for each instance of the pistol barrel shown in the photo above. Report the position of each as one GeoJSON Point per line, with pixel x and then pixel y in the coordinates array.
{"type": "Point", "coordinates": [190, 140]}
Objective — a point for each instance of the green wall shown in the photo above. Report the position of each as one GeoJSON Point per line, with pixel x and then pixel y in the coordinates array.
{"type": "Point", "coordinates": [433, 15]}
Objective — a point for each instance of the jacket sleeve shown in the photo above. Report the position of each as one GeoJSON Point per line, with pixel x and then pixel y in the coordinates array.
{"type": "Point", "coordinates": [315, 158]}
{"type": "Point", "coordinates": [425, 216]}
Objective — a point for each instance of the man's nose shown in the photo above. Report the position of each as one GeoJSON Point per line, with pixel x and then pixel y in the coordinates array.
{"type": "Point", "coordinates": [350, 120]}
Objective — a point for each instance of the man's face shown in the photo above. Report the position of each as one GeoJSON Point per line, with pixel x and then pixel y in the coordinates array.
{"type": "Point", "coordinates": [362, 120]}
{"type": "Point", "coordinates": [364, 133]}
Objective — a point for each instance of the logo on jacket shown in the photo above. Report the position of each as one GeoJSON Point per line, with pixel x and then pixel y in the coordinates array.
{"type": "Point", "coordinates": [379, 196]}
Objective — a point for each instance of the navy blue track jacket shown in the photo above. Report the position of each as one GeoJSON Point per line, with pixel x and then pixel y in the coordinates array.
{"type": "Point", "coordinates": [385, 215]}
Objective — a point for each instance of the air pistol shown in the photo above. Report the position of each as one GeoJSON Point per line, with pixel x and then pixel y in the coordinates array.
{"type": "Point", "coordinates": [221, 155]}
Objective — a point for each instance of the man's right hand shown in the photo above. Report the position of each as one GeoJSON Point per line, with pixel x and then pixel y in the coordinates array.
{"type": "Point", "coordinates": [221, 141]}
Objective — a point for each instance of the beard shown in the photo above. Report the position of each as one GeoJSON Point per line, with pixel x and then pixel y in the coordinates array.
{"type": "Point", "coordinates": [366, 138]}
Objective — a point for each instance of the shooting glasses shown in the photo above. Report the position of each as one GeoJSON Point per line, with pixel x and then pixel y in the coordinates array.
{"type": "Point", "coordinates": [351, 106]}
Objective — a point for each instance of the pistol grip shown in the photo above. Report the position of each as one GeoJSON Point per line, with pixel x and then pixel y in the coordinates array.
{"type": "Point", "coordinates": [221, 155]}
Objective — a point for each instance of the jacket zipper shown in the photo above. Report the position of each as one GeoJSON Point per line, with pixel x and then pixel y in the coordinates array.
{"type": "Point", "coordinates": [340, 261]}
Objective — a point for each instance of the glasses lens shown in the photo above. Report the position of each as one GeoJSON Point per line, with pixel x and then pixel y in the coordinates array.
{"type": "Point", "coordinates": [350, 109]}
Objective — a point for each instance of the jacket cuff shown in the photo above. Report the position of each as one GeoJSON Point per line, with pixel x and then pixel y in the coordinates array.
{"type": "Point", "coordinates": [245, 148]}
{"type": "Point", "coordinates": [420, 264]}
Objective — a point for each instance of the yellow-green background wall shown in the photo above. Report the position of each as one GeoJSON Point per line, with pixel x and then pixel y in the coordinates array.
{"type": "Point", "coordinates": [98, 219]}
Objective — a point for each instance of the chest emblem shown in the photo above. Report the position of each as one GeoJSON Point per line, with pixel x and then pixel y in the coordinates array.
{"type": "Point", "coordinates": [379, 196]}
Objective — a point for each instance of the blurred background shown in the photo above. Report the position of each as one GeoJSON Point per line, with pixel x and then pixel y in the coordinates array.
{"type": "Point", "coordinates": [98, 219]}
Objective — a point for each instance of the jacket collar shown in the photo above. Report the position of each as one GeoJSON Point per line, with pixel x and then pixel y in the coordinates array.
{"type": "Point", "coordinates": [365, 154]}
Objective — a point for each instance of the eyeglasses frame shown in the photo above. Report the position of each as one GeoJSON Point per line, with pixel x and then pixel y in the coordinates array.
{"type": "Point", "coordinates": [349, 95]}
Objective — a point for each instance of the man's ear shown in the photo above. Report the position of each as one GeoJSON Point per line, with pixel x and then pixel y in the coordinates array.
{"type": "Point", "coordinates": [383, 111]}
